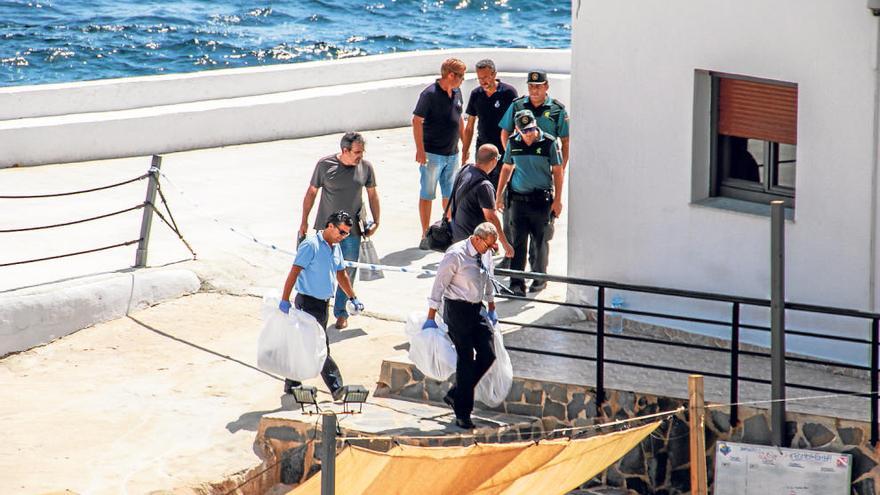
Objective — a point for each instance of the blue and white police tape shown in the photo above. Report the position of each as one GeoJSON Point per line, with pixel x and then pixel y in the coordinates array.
{"type": "Point", "coordinates": [221, 223]}
{"type": "Point", "coordinates": [348, 264]}
{"type": "Point", "coordinates": [389, 268]}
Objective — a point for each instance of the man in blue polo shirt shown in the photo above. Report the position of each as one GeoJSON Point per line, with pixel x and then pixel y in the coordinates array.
{"type": "Point", "coordinates": [317, 263]}
{"type": "Point", "coordinates": [532, 170]}
{"type": "Point", "coordinates": [437, 127]}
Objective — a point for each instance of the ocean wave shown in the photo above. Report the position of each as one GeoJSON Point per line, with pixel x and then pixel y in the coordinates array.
{"type": "Point", "coordinates": [17, 61]}
{"type": "Point", "coordinates": [78, 39]}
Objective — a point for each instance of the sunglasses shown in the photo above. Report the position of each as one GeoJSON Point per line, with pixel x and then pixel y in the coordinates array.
{"type": "Point", "coordinates": [529, 130]}
{"type": "Point", "coordinates": [343, 233]}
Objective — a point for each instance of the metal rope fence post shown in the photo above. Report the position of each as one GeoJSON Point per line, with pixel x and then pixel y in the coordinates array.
{"type": "Point", "coordinates": [147, 221]}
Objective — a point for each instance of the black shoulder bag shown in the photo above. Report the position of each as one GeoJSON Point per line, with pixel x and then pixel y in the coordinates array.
{"type": "Point", "coordinates": [439, 234]}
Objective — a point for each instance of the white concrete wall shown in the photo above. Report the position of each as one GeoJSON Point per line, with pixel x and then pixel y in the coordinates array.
{"type": "Point", "coordinates": [631, 213]}
{"type": "Point", "coordinates": [31, 317]}
{"type": "Point", "coordinates": [159, 114]}
{"type": "Point", "coordinates": [149, 91]}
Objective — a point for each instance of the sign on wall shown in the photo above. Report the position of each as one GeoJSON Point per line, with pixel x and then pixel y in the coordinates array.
{"type": "Point", "coordinates": [742, 469]}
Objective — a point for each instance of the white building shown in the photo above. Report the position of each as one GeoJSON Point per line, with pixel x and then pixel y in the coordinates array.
{"type": "Point", "coordinates": [659, 88]}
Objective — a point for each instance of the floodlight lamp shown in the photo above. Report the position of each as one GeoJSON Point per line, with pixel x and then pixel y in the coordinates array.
{"type": "Point", "coordinates": [354, 394]}
{"type": "Point", "coordinates": [306, 396]}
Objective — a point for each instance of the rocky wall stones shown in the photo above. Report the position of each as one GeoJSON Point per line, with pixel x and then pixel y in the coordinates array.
{"type": "Point", "coordinates": [661, 463]}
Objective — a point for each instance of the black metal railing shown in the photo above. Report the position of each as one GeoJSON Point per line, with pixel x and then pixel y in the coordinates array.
{"type": "Point", "coordinates": [733, 351]}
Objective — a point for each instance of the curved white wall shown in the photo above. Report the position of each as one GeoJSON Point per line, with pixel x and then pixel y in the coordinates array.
{"type": "Point", "coordinates": [137, 92]}
{"type": "Point", "coordinates": [159, 114]}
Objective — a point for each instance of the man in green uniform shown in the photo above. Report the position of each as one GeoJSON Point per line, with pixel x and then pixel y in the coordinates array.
{"type": "Point", "coordinates": [533, 173]}
{"type": "Point", "coordinates": [551, 115]}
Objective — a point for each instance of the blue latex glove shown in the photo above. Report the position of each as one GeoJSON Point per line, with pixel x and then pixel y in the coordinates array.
{"type": "Point", "coordinates": [284, 306]}
{"type": "Point", "coordinates": [429, 323]}
{"type": "Point", "coordinates": [493, 317]}
{"type": "Point", "coordinates": [357, 307]}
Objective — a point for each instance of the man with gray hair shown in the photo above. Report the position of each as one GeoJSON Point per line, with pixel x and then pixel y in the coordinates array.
{"type": "Point", "coordinates": [342, 177]}
{"type": "Point", "coordinates": [485, 107]}
{"type": "Point", "coordinates": [463, 282]}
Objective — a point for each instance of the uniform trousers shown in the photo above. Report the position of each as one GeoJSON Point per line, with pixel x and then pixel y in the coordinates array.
{"type": "Point", "coordinates": [531, 228]}
{"type": "Point", "coordinates": [470, 333]}
{"type": "Point", "coordinates": [319, 309]}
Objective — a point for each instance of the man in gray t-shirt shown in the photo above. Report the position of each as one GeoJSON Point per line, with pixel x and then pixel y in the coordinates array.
{"type": "Point", "coordinates": [342, 178]}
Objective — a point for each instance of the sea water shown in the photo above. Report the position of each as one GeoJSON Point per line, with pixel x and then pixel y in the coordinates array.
{"type": "Point", "coordinates": [50, 41]}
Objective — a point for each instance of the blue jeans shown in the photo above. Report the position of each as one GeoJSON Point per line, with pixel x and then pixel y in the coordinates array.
{"type": "Point", "coordinates": [351, 250]}
{"type": "Point", "coordinates": [438, 168]}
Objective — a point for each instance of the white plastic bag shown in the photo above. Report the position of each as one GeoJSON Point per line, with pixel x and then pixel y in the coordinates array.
{"type": "Point", "coordinates": [430, 350]}
{"type": "Point", "coordinates": [492, 389]}
{"type": "Point", "coordinates": [292, 345]}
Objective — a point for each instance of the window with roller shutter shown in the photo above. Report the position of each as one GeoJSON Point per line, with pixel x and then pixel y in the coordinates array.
{"type": "Point", "coordinates": [754, 140]}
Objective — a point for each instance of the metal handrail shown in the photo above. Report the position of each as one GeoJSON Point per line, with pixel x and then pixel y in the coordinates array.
{"type": "Point", "coordinates": [733, 350]}
{"type": "Point", "coordinates": [689, 294]}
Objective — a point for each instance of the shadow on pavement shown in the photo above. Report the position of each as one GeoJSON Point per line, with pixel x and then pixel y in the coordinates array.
{"type": "Point", "coordinates": [404, 257]}
{"type": "Point", "coordinates": [339, 335]}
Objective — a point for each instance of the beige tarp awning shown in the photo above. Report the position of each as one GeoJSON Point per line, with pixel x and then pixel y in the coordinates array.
{"type": "Point", "coordinates": [546, 467]}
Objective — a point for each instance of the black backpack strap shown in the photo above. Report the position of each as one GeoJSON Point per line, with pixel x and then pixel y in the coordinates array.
{"type": "Point", "coordinates": [466, 191]}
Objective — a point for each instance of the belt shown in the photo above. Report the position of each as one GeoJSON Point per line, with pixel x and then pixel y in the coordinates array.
{"type": "Point", "coordinates": [459, 301]}
{"type": "Point", "coordinates": [537, 195]}
{"type": "Point", "coordinates": [314, 298]}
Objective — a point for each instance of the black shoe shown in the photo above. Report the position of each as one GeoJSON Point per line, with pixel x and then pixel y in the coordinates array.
{"type": "Point", "coordinates": [538, 286]}
{"type": "Point", "coordinates": [449, 401]}
{"type": "Point", "coordinates": [424, 245]}
{"type": "Point", "coordinates": [465, 424]}
{"type": "Point", "coordinates": [518, 291]}
{"type": "Point", "coordinates": [289, 385]}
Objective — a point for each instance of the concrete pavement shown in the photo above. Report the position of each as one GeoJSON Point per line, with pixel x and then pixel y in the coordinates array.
{"type": "Point", "coordinates": [169, 397]}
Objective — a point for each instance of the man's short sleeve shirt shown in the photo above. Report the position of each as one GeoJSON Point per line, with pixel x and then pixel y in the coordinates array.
{"type": "Point", "coordinates": [442, 115]}
{"type": "Point", "coordinates": [341, 188]}
{"type": "Point", "coordinates": [470, 199]}
{"type": "Point", "coordinates": [489, 110]}
{"type": "Point", "coordinates": [319, 262]}
{"type": "Point", "coordinates": [551, 116]}
{"type": "Point", "coordinates": [533, 163]}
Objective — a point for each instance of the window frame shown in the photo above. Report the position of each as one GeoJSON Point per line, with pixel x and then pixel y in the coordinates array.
{"type": "Point", "coordinates": [721, 185]}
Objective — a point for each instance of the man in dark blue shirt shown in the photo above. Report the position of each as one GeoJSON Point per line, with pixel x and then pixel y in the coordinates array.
{"type": "Point", "coordinates": [473, 201]}
{"type": "Point", "coordinates": [485, 107]}
{"type": "Point", "coordinates": [437, 127]}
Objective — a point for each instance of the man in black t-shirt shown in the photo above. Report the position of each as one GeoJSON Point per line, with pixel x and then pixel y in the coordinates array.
{"type": "Point", "coordinates": [474, 198]}
{"type": "Point", "coordinates": [485, 107]}
{"type": "Point", "coordinates": [437, 127]}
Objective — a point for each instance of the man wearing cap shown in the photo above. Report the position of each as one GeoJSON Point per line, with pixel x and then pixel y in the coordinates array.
{"type": "Point", "coordinates": [551, 114]}
{"type": "Point", "coordinates": [485, 107]}
{"type": "Point", "coordinates": [533, 173]}
{"type": "Point", "coordinates": [437, 127]}
{"type": "Point", "coordinates": [317, 264]}
{"type": "Point", "coordinates": [342, 178]}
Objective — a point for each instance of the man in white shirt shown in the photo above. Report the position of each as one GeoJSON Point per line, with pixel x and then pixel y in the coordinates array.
{"type": "Point", "coordinates": [462, 283]}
